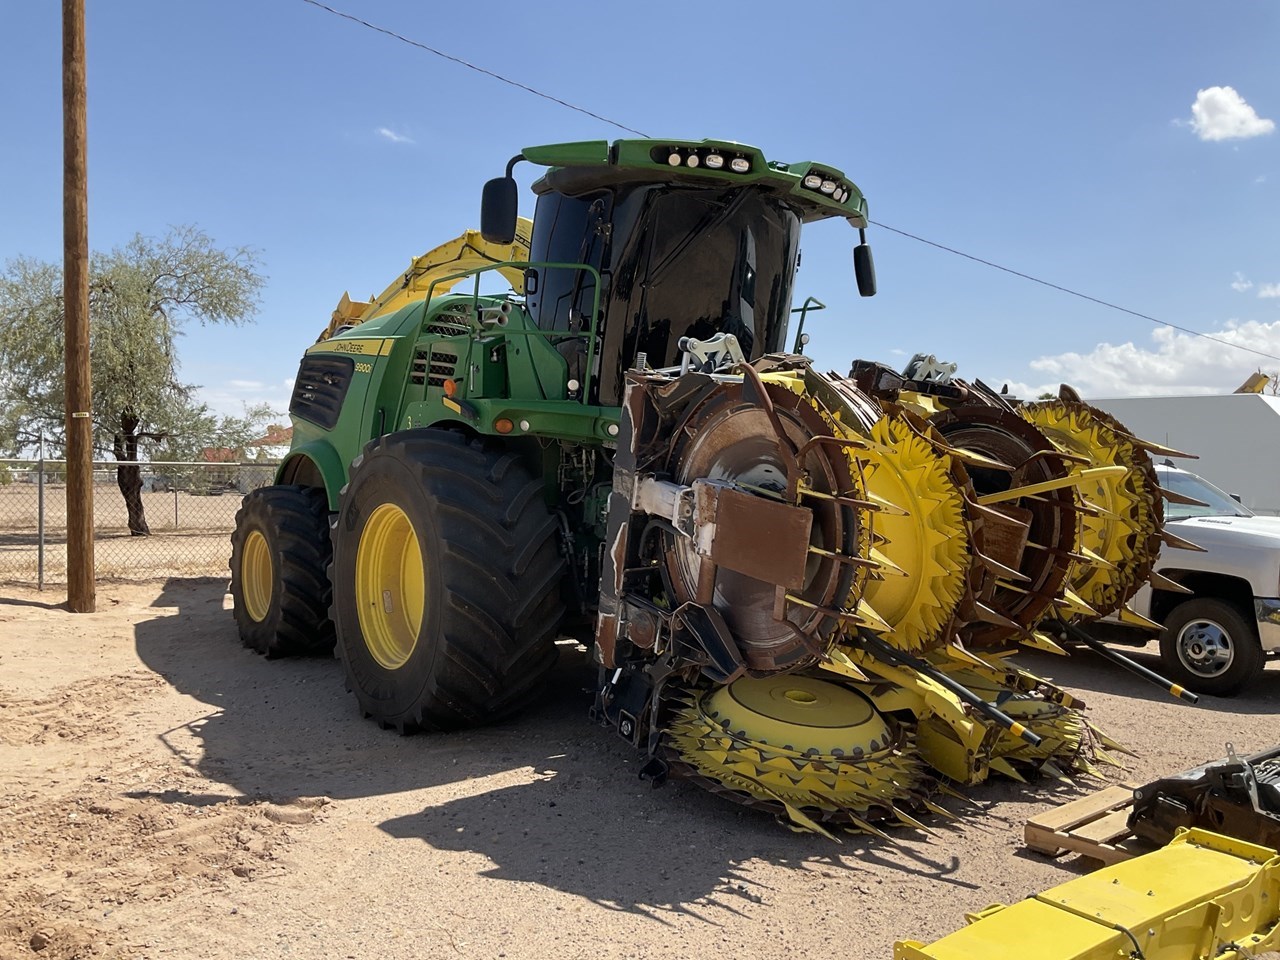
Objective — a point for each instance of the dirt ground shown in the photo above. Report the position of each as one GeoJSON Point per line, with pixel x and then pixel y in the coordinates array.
{"type": "Point", "coordinates": [165, 793]}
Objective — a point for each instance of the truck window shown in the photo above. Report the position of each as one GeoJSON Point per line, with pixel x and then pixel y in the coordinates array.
{"type": "Point", "coordinates": [1219, 504]}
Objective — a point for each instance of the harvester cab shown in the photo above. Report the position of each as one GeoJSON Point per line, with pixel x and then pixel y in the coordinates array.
{"type": "Point", "coordinates": [772, 566]}
{"type": "Point", "coordinates": [686, 241]}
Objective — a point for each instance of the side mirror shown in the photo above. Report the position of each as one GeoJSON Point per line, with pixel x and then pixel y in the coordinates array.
{"type": "Point", "coordinates": [864, 268]}
{"type": "Point", "coordinates": [499, 206]}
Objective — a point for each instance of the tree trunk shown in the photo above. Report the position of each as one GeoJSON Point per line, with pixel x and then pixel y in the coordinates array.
{"type": "Point", "coordinates": [129, 476]}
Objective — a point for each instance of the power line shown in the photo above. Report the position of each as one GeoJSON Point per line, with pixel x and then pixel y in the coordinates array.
{"type": "Point", "coordinates": [882, 226]}
{"type": "Point", "coordinates": [1074, 293]}
{"type": "Point", "coordinates": [469, 66]}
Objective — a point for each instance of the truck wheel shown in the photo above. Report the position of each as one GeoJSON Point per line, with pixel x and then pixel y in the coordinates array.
{"type": "Point", "coordinates": [1208, 646]}
{"type": "Point", "coordinates": [446, 576]}
{"type": "Point", "coordinates": [279, 552]}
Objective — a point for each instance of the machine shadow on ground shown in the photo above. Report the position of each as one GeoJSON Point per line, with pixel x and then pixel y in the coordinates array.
{"type": "Point", "coordinates": [577, 818]}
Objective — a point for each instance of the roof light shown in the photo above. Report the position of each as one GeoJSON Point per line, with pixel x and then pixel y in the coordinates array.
{"type": "Point", "coordinates": [675, 159]}
{"type": "Point", "coordinates": [692, 160]}
{"type": "Point", "coordinates": [739, 164]}
{"type": "Point", "coordinates": [828, 186]}
{"type": "Point", "coordinates": [812, 181]}
{"type": "Point", "coordinates": [714, 161]}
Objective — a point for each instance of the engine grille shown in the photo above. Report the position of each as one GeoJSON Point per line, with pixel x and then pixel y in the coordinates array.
{"type": "Point", "coordinates": [320, 388]}
{"type": "Point", "coordinates": [447, 326]}
{"type": "Point", "coordinates": [433, 367]}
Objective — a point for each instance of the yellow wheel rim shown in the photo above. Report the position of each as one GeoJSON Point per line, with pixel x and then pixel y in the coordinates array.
{"type": "Point", "coordinates": [256, 576]}
{"type": "Point", "coordinates": [799, 742]}
{"type": "Point", "coordinates": [390, 586]}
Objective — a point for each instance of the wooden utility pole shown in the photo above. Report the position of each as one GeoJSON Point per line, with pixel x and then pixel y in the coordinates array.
{"type": "Point", "coordinates": [81, 588]}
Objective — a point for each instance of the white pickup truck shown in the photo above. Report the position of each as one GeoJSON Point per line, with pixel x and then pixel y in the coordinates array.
{"type": "Point", "coordinates": [1216, 639]}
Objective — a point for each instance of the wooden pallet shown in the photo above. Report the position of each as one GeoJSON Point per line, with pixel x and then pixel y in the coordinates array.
{"type": "Point", "coordinates": [1095, 826]}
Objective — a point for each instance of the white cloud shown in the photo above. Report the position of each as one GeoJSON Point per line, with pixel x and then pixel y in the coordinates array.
{"type": "Point", "coordinates": [1260, 178]}
{"type": "Point", "coordinates": [1220, 113]}
{"type": "Point", "coordinates": [1269, 290]}
{"type": "Point", "coordinates": [1175, 363]}
{"type": "Point", "coordinates": [1241, 283]}
{"type": "Point", "coordinates": [232, 397]}
{"type": "Point", "coordinates": [388, 134]}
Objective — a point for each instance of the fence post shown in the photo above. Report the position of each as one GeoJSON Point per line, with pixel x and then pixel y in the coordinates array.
{"type": "Point", "coordinates": [174, 483]}
{"type": "Point", "coordinates": [40, 515]}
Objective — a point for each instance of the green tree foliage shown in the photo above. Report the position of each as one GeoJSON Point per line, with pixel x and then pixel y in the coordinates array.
{"type": "Point", "coordinates": [141, 296]}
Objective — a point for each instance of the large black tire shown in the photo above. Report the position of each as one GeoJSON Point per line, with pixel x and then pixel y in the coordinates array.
{"type": "Point", "coordinates": [446, 576]}
{"type": "Point", "coordinates": [280, 550]}
{"type": "Point", "coordinates": [1209, 646]}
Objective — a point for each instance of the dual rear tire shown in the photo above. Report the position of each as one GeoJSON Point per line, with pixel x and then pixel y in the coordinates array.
{"type": "Point", "coordinates": [440, 579]}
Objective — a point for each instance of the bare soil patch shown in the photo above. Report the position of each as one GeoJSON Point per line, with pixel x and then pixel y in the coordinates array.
{"type": "Point", "coordinates": [166, 793]}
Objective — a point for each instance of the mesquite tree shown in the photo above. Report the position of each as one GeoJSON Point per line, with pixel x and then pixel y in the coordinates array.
{"type": "Point", "coordinates": [141, 295]}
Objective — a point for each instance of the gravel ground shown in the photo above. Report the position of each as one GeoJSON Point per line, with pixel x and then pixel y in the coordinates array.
{"type": "Point", "coordinates": [165, 793]}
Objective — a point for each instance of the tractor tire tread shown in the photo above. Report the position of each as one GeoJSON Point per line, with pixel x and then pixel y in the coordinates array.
{"type": "Point", "coordinates": [501, 568]}
{"type": "Point", "coordinates": [297, 520]}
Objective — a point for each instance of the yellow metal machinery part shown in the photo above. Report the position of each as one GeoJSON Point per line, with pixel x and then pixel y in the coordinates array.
{"type": "Point", "coordinates": [922, 558]}
{"type": "Point", "coordinates": [928, 545]}
{"type": "Point", "coordinates": [466, 252]}
{"type": "Point", "coordinates": [920, 549]}
{"type": "Point", "coordinates": [961, 744]}
{"type": "Point", "coordinates": [390, 586]}
{"type": "Point", "coordinates": [1069, 743]}
{"type": "Point", "coordinates": [1120, 537]}
{"type": "Point", "coordinates": [951, 738]}
{"type": "Point", "coordinates": [815, 752]}
{"type": "Point", "coordinates": [1203, 897]}
{"type": "Point", "coordinates": [256, 576]}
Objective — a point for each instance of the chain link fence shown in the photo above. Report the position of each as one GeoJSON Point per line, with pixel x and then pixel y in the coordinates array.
{"type": "Point", "coordinates": [190, 508]}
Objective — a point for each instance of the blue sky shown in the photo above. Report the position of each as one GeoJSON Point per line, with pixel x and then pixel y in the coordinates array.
{"type": "Point", "coordinates": [1056, 139]}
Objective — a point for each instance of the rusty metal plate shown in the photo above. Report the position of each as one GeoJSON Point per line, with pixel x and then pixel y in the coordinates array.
{"type": "Point", "coordinates": [755, 536]}
{"type": "Point", "coordinates": [1005, 538]}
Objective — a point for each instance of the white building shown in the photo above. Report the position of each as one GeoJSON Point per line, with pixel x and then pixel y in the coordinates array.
{"type": "Point", "coordinates": [1236, 436]}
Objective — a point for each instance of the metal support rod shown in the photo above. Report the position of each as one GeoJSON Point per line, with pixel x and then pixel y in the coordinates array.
{"type": "Point", "coordinates": [1165, 684]}
{"type": "Point", "coordinates": [990, 711]}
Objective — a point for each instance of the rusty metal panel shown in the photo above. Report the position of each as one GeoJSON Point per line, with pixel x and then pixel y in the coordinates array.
{"type": "Point", "coordinates": [1005, 538]}
{"type": "Point", "coordinates": [757, 537]}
